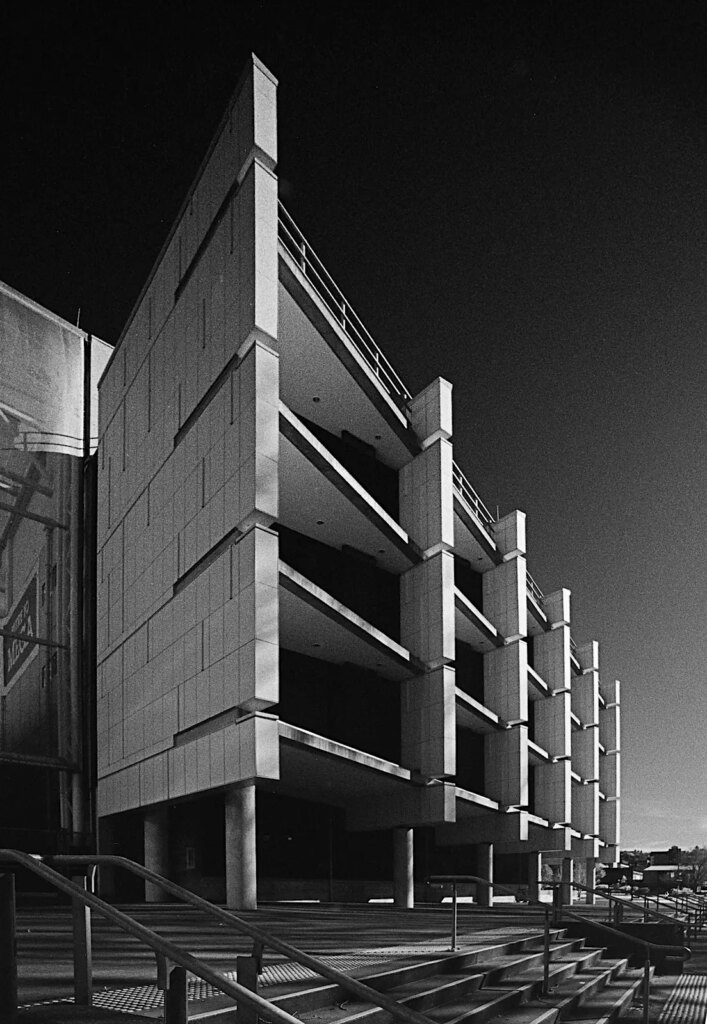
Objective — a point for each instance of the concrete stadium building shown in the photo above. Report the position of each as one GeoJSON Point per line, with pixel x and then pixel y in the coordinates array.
{"type": "Point", "coordinates": [323, 669]}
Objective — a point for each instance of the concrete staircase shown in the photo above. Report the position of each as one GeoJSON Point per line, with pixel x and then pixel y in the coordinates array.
{"type": "Point", "coordinates": [502, 983]}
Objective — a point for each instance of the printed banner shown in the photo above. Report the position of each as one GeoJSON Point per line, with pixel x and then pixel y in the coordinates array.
{"type": "Point", "coordinates": [23, 622]}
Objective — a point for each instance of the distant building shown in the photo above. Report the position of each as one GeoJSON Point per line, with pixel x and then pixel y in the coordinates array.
{"type": "Point", "coordinates": [323, 669]}
{"type": "Point", "coordinates": [45, 680]}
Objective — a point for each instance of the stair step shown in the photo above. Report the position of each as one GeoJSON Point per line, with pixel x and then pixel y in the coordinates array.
{"type": "Point", "coordinates": [499, 967]}
{"type": "Point", "coordinates": [607, 1005]}
{"type": "Point", "coordinates": [423, 994]}
{"type": "Point", "coordinates": [561, 968]}
{"type": "Point", "coordinates": [584, 1004]}
{"type": "Point", "coordinates": [312, 993]}
{"type": "Point", "coordinates": [486, 984]}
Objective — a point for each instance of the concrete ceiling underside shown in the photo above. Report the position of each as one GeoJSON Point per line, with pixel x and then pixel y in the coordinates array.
{"type": "Point", "coordinates": [314, 624]}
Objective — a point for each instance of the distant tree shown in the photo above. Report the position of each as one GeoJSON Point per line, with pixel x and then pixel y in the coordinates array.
{"type": "Point", "coordinates": [698, 858]}
{"type": "Point", "coordinates": [635, 858]}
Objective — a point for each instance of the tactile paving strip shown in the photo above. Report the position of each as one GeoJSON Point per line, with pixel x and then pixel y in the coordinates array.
{"type": "Point", "coordinates": [143, 998]}
{"type": "Point", "coordinates": [687, 1003]}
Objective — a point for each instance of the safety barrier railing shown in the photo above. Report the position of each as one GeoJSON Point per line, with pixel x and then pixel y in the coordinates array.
{"type": "Point", "coordinates": [261, 941]}
{"type": "Point", "coordinates": [469, 495]}
{"type": "Point", "coordinates": [556, 911]}
{"type": "Point", "coordinates": [692, 906]}
{"type": "Point", "coordinates": [172, 961]}
{"type": "Point", "coordinates": [617, 904]}
{"type": "Point", "coordinates": [297, 246]}
{"type": "Point", "coordinates": [534, 590]}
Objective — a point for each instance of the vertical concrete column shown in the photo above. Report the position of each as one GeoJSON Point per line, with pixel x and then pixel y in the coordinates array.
{"type": "Point", "coordinates": [156, 832]}
{"type": "Point", "coordinates": [585, 807]}
{"type": "Point", "coordinates": [535, 874]}
{"type": "Point", "coordinates": [426, 498]}
{"type": "Point", "coordinates": [590, 875]}
{"type": "Point", "coordinates": [504, 587]}
{"type": "Point", "coordinates": [553, 715]}
{"type": "Point", "coordinates": [484, 869]}
{"type": "Point", "coordinates": [241, 884]}
{"type": "Point", "coordinates": [610, 770]}
{"type": "Point", "coordinates": [585, 741]}
{"type": "Point", "coordinates": [553, 792]}
{"type": "Point", "coordinates": [506, 766]}
{"type": "Point", "coordinates": [403, 875]}
{"type": "Point", "coordinates": [431, 413]}
{"type": "Point", "coordinates": [427, 610]}
{"type": "Point", "coordinates": [585, 687]}
{"type": "Point", "coordinates": [566, 879]}
{"type": "Point", "coordinates": [506, 669]}
{"type": "Point", "coordinates": [258, 192]}
{"type": "Point", "coordinates": [428, 719]}
{"type": "Point", "coordinates": [426, 501]}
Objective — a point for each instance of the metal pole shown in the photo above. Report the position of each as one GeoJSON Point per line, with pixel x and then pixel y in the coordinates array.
{"type": "Point", "coordinates": [175, 997]}
{"type": "Point", "coordinates": [646, 988]}
{"type": "Point", "coordinates": [87, 779]}
{"type": "Point", "coordinates": [557, 902]}
{"type": "Point", "coordinates": [546, 954]}
{"type": "Point", "coordinates": [83, 955]}
{"type": "Point", "coordinates": [72, 694]}
{"type": "Point", "coordinates": [247, 976]}
{"type": "Point", "coordinates": [8, 950]}
{"type": "Point", "coordinates": [454, 916]}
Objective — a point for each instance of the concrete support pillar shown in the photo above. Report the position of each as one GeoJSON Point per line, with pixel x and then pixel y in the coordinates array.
{"type": "Point", "coordinates": [431, 413]}
{"type": "Point", "coordinates": [535, 871]}
{"type": "Point", "coordinates": [610, 769]}
{"type": "Point", "coordinates": [566, 879]}
{"type": "Point", "coordinates": [403, 878]}
{"type": "Point", "coordinates": [241, 888]}
{"type": "Point", "coordinates": [427, 610]}
{"type": "Point", "coordinates": [506, 766]}
{"type": "Point", "coordinates": [427, 499]}
{"type": "Point", "coordinates": [156, 832]}
{"type": "Point", "coordinates": [505, 601]}
{"type": "Point", "coordinates": [485, 870]}
{"type": "Point", "coordinates": [590, 874]}
{"type": "Point", "coordinates": [428, 718]}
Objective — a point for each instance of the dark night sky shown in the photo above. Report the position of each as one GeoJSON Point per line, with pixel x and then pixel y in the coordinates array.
{"type": "Point", "coordinates": [513, 196]}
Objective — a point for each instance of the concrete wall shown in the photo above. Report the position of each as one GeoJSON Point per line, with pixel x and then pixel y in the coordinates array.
{"type": "Point", "coordinates": [187, 606]}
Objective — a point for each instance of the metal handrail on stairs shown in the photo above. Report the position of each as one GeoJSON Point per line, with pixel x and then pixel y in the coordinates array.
{"type": "Point", "coordinates": [619, 901]}
{"type": "Point", "coordinates": [261, 939]}
{"type": "Point", "coordinates": [678, 952]}
{"type": "Point", "coordinates": [172, 961]}
{"type": "Point", "coordinates": [691, 904]}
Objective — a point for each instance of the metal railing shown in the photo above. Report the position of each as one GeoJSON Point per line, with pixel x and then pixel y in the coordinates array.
{"type": "Point", "coordinates": [469, 495]}
{"type": "Point", "coordinates": [556, 910]}
{"type": "Point", "coordinates": [692, 906]}
{"type": "Point", "coordinates": [261, 940]}
{"type": "Point", "coordinates": [621, 903]}
{"type": "Point", "coordinates": [533, 589]}
{"type": "Point", "coordinates": [311, 267]}
{"type": "Point", "coordinates": [172, 961]}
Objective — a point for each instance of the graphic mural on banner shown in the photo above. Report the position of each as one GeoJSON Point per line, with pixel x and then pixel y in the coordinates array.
{"type": "Point", "coordinates": [23, 623]}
